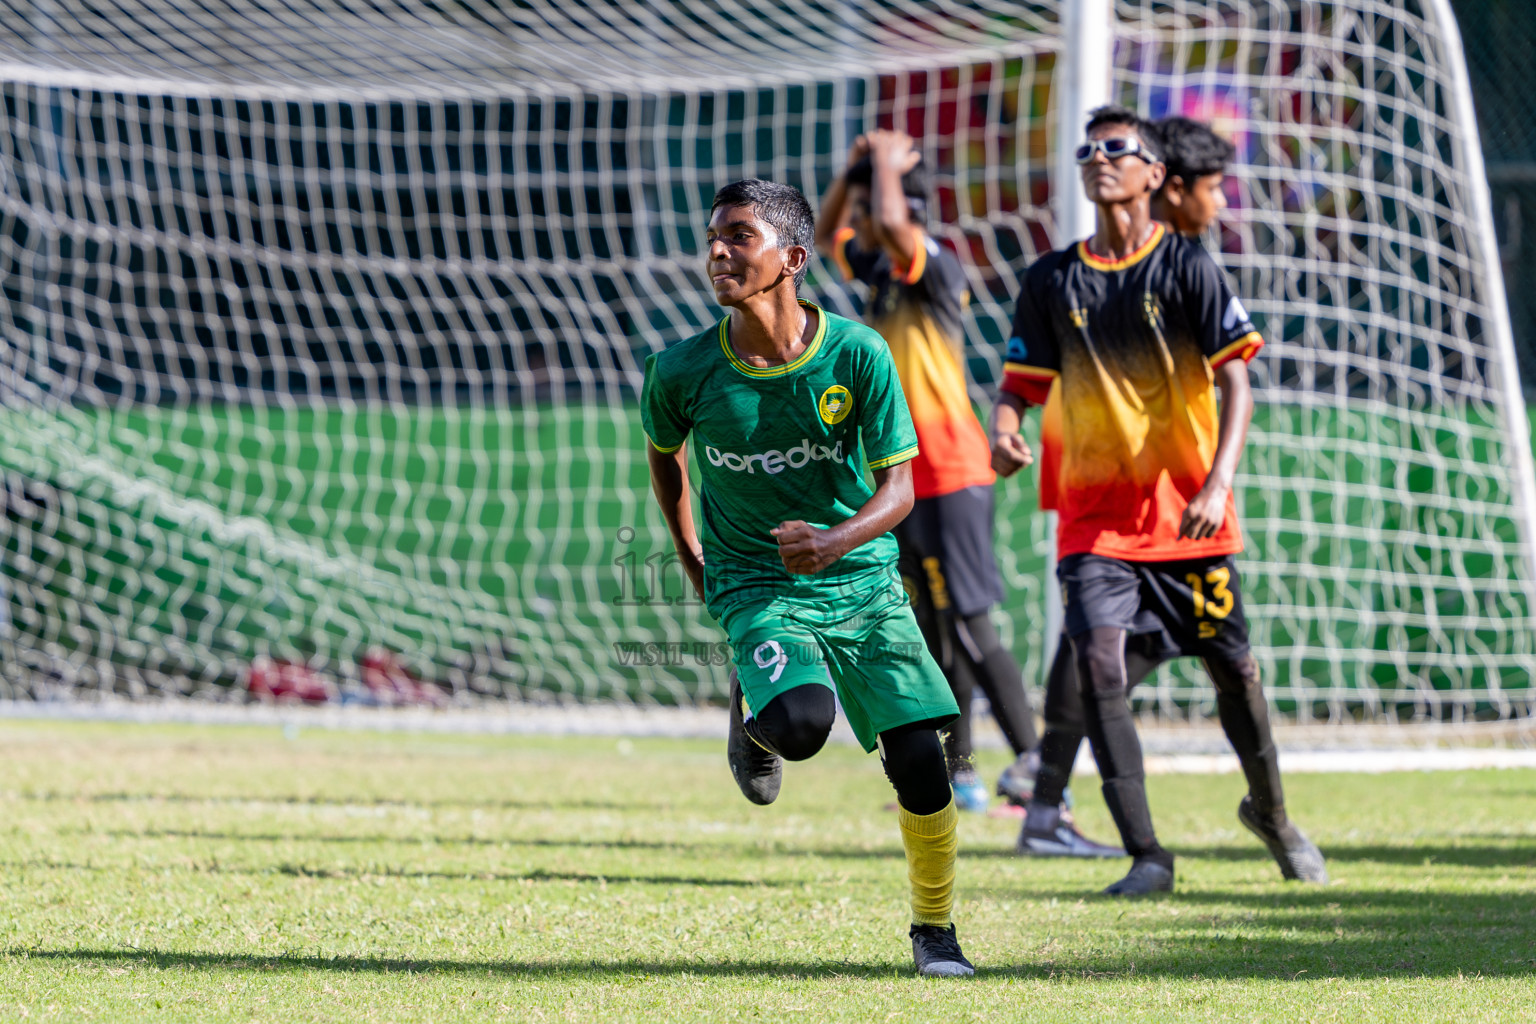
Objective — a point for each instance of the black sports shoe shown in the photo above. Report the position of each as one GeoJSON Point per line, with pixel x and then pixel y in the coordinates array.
{"type": "Point", "coordinates": [1298, 858]}
{"type": "Point", "coordinates": [757, 772]}
{"type": "Point", "coordinates": [1047, 832]}
{"type": "Point", "coordinates": [1017, 782]}
{"type": "Point", "coordinates": [937, 954]}
{"type": "Point", "coordinates": [1145, 877]}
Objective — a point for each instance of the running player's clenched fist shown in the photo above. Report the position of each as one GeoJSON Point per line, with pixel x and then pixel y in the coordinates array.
{"type": "Point", "coordinates": [805, 549]}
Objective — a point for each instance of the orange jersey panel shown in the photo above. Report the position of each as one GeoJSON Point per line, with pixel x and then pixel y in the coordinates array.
{"type": "Point", "coordinates": [918, 309]}
{"type": "Point", "coordinates": [953, 452]}
{"type": "Point", "coordinates": [1049, 458]}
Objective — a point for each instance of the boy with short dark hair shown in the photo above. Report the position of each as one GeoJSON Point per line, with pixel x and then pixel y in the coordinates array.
{"type": "Point", "coordinates": [796, 560]}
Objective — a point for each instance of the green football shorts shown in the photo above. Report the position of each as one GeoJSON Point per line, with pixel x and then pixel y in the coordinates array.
{"type": "Point", "coordinates": [863, 639]}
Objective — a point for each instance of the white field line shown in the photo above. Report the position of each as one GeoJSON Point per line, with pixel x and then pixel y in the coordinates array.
{"type": "Point", "coordinates": [1183, 749]}
{"type": "Point", "coordinates": [1367, 761]}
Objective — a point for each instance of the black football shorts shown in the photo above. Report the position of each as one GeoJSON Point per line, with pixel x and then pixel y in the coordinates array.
{"type": "Point", "coordinates": [1197, 605]}
{"type": "Point", "coordinates": [946, 551]}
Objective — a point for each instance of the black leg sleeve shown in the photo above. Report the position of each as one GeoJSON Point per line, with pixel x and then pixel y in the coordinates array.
{"type": "Point", "coordinates": [1063, 700]}
{"type": "Point", "coordinates": [1064, 728]}
{"type": "Point", "coordinates": [993, 667]}
{"type": "Point", "coordinates": [1100, 656]}
{"type": "Point", "coordinates": [1244, 715]}
{"type": "Point", "coordinates": [958, 752]}
{"type": "Point", "coordinates": [930, 620]}
{"type": "Point", "coordinates": [796, 723]}
{"type": "Point", "coordinates": [937, 627]}
{"type": "Point", "coordinates": [914, 762]}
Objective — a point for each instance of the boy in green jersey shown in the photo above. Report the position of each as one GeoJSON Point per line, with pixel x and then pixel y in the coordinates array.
{"type": "Point", "coordinates": [785, 403]}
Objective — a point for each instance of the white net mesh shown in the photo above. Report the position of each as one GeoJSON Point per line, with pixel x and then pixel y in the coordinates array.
{"type": "Point", "coordinates": [323, 325]}
{"type": "Point", "coordinates": [1388, 568]}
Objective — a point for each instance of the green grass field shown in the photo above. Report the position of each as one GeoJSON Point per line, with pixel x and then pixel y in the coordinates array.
{"type": "Point", "coordinates": [218, 874]}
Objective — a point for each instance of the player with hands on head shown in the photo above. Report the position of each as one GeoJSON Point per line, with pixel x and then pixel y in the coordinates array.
{"type": "Point", "coordinates": [1135, 325]}
{"type": "Point", "coordinates": [873, 227]}
{"type": "Point", "coordinates": [795, 559]}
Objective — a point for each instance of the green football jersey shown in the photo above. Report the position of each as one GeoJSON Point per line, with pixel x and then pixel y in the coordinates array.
{"type": "Point", "coordinates": [780, 443]}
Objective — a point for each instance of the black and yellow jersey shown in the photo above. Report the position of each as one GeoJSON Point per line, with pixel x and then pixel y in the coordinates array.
{"type": "Point", "coordinates": [1131, 345]}
{"type": "Point", "coordinates": [919, 311]}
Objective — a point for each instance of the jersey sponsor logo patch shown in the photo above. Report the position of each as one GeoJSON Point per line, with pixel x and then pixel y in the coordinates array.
{"type": "Point", "coordinates": [1234, 315]}
{"type": "Point", "coordinates": [774, 461]}
{"type": "Point", "coordinates": [1017, 351]}
{"type": "Point", "coordinates": [835, 404]}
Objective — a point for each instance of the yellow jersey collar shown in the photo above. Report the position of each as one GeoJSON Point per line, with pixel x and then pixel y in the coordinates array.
{"type": "Point", "coordinates": [761, 372]}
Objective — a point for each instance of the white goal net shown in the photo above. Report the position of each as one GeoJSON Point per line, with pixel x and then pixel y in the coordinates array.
{"type": "Point", "coordinates": [1387, 489]}
{"type": "Point", "coordinates": [323, 322]}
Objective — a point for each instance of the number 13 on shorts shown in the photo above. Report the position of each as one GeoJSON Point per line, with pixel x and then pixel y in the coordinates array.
{"type": "Point", "coordinates": [1216, 606]}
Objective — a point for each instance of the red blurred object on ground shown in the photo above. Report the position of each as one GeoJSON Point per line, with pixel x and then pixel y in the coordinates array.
{"type": "Point", "coordinates": [287, 681]}
{"type": "Point", "coordinates": [392, 683]}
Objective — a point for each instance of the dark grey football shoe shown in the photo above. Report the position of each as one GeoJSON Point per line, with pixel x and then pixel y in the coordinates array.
{"type": "Point", "coordinates": [758, 773]}
{"type": "Point", "coordinates": [937, 954]}
{"type": "Point", "coordinates": [1048, 832]}
{"type": "Point", "coordinates": [1146, 876]}
{"type": "Point", "coordinates": [1299, 859]}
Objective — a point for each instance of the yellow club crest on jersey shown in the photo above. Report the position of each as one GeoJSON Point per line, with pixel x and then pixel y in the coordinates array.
{"type": "Point", "coordinates": [835, 404]}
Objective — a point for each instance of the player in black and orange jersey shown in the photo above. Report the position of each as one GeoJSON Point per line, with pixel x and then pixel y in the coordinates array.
{"type": "Point", "coordinates": [871, 224]}
{"type": "Point", "coordinates": [1135, 325]}
{"type": "Point", "coordinates": [1189, 201]}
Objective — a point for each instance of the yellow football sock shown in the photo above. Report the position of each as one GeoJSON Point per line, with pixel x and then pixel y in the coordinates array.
{"type": "Point", "coordinates": [931, 844]}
